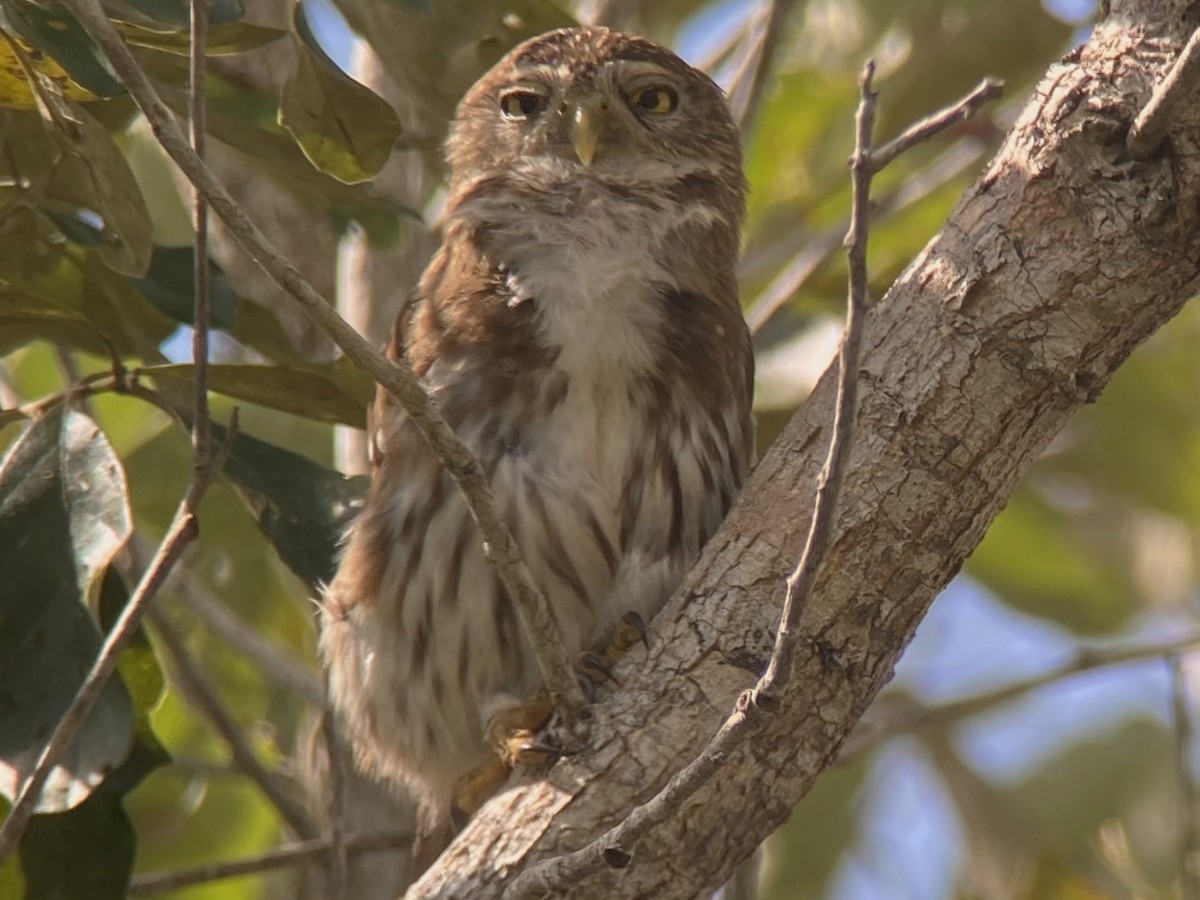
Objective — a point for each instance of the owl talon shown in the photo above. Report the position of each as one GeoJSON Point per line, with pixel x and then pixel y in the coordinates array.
{"type": "Point", "coordinates": [590, 662]}
{"type": "Point", "coordinates": [587, 684]}
{"type": "Point", "coordinates": [632, 630]}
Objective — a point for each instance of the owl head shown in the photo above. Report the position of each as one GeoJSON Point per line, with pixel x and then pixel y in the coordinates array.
{"type": "Point", "coordinates": [590, 103]}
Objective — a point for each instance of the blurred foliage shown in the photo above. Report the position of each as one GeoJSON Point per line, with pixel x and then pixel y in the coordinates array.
{"type": "Point", "coordinates": [95, 288]}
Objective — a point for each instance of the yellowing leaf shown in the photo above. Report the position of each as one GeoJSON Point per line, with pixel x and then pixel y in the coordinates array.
{"type": "Point", "coordinates": [343, 128]}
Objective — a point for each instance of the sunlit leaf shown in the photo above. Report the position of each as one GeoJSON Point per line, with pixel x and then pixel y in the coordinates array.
{"type": "Point", "coordinates": [326, 394]}
{"type": "Point", "coordinates": [52, 30]}
{"type": "Point", "coordinates": [344, 128]}
{"type": "Point", "coordinates": [63, 516]}
{"type": "Point", "coordinates": [221, 40]}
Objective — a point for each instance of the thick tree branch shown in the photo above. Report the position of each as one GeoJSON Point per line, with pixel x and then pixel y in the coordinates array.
{"type": "Point", "coordinates": [1062, 258]}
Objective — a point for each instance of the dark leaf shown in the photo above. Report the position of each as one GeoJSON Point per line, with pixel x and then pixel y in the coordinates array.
{"type": "Point", "coordinates": [63, 515]}
{"type": "Point", "coordinates": [85, 852]}
{"type": "Point", "coordinates": [168, 284]}
{"type": "Point", "coordinates": [302, 507]}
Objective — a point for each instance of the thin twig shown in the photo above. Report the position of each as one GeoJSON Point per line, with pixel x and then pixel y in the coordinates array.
{"type": "Point", "coordinates": [197, 689]}
{"type": "Point", "coordinates": [201, 435]}
{"type": "Point", "coordinates": [1189, 831]}
{"type": "Point", "coordinates": [818, 250]}
{"type": "Point", "coordinates": [335, 887]}
{"type": "Point", "coordinates": [397, 380]}
{"type": "Point", "coordinates": [281, 857]}
{"type": "Point", "coordinates": [747, 86]}
{"type": "Point", "coordinates": [272, 660]}
{"type": "Point", "coordinates": [1177, 88]}
{"type": "Point", "coordinates": [987, 90]}
{"type": "Point", "coordinates": [614, 849]}
{"type": "Point", "coordinates": [911, 718]}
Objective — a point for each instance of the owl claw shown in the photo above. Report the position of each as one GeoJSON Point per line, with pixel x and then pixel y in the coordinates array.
{"type": "Point", "coordinates": [590, 662]}
{"type": "Point", "coordinates": [633, 629]}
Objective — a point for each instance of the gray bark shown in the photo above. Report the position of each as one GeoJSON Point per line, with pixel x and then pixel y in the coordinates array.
{"type": "Point", "coordinates": [1062, 258]}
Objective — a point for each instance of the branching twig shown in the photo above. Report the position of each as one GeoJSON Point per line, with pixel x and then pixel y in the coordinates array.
{"type": "Point", "coordinates": [819, 249]}
{"type": "Point", "coordinates": [614, 848]}
{"type": "Point", "coordinates": [908, 719]}
{"type": "Point", "coordinates": [1178, 87]}
{"type": "Point", "coordinates": [271, 660]}
{"type": "Point", "coordinates": [335, 888]}
{"type": "Point", "coordinates": [1189, 832]}
{"type": "Point", "coordinates": [397, 380]}
{"type": "Point", "coordinates": [988, 89]}
{"type": "Point", "coordinates": [199, 691]}
{"type": "Point", "coordinates": [282, 857]}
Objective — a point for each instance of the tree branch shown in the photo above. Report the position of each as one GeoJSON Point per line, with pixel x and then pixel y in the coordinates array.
{"type": "Point", "coordinates": [197, 689]}
{"type": "Point", "coordinates": [1062, 258]}
{"type": "Point", "coordinates": [397, 380]}
{"type": "Point", "coordinates": [279, 858]}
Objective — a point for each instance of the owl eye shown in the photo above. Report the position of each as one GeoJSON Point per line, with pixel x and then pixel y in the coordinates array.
{"type": "Point", "coordinates": [657, 99]}
{"type": "Point", "coordinates": [521, 104]}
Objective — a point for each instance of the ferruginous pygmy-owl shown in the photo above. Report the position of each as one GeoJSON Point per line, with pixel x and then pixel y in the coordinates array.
{"type": "Point", "coordinates": [580, 329]}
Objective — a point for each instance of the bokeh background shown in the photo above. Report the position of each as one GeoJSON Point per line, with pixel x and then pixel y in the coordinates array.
{"type": "Point", "coordinates": [1036, 740]}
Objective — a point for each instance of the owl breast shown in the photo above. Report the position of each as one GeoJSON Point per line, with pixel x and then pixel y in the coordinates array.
{"type": "Point", "coordinates": [609, 475]}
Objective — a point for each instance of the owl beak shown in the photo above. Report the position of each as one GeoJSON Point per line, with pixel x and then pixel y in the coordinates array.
{"type": "Point", "coordinates": [585, 131]}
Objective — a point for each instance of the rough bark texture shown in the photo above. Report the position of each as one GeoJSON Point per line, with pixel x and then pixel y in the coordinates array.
{"type": "Point", "coordinates": [1054, 266]}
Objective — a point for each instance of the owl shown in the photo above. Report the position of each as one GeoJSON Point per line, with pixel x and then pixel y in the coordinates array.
{"type": "Point", "coordinates": [579, 328]}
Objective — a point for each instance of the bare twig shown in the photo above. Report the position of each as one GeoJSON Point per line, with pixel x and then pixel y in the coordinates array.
{"type": "Point", "coordinates": [614, 849]}
{"type": "Point", "coordinates": [1189, 832]}
{"type": "Point", "coordinates": [1177, 88]}
{"type": "Point", "coordinates": [282, 857]}
{"type": "Point", "coordinates": [987, 90]}
{"type": "Point", "coordinates": [746, 88]}
{"type": "Point", "coordinates": [335, 887]}
{"type": "Point", "coordinates": [201, 693]}
{"type": "Point", "coordinates": [817, 251]}
{"type": "Point", "coordinates": [397, 380]}
{"type": "Point", "coordinates": [272, 660]}
{"type": "Point", "coordinates": [201, 436]}
{"type": "Point", "coordinates": [912, 718]}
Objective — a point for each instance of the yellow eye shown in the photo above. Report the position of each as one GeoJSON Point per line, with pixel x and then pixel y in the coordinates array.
{"type": "Point", "coordinates": [654, 99]}
{"type": "Point", "coordinates": [521, 104]}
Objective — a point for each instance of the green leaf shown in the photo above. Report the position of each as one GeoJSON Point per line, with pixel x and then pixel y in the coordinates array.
{"type": "Point", "coordinates": [343, 128]}
{"type": "Point", "coordinates": [25, 317]}
{"type": "Point", "coordinates": [328, 395]}
{"type": "Point", "coordinates": [303, 508]}
{"type": "Point", "coordinates": [64, 514]}
{"type": "Point", "coordinates": [178, 12]}
{"type": "Point", "coordinates": [85, 852]}
{"type": "Point", "coordinates": [169, 281]}
{"type": "Point", "coordinates": [95, 175]}
{"type": "Point", "coordinates": [51, 29]}
{"type": "Point", "coordinates": [222, 40]}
